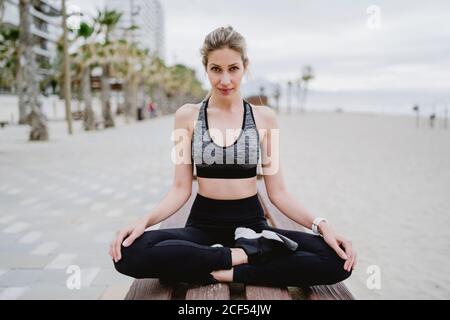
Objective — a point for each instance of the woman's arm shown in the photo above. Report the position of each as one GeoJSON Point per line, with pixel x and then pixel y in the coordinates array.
{"type": "Point", "coordinates": [181, 189]}
{"type": "Point", "coordinates": [273, 176]}
{"type": "Point", "coordinates": [178, 194]}
{"type": "Point", "coordinates": [171, 203]}
{"type": "Point", "coordinates": [282, 198]}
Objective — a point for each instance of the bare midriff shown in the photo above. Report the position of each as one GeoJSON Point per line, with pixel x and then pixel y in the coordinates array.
{"type": "Point", "coordinates": [227, 189]}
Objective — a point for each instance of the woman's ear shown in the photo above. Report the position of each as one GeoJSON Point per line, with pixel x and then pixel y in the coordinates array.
{"type": "Point", "coordinates": [246, 63]}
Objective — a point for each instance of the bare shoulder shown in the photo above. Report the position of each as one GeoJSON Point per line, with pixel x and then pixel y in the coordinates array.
{"type": "Point", "coordinates": [265, 116]}
{"type": "Point", "coordinates": [186, 115]}
{"type": "Point", "coordinates": [186, 110]}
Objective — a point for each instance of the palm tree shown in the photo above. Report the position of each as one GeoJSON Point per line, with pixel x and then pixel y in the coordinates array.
{"type": "Point", "coordinates": [307, 75]}
{"type": "Point", "coordinates": [298, 82]}
{"type": "Point", "coordinates": [155, 82]}
{"type": "Point", "coordinates": [133, 76]}
{"type": "Point", "coordinates": [9, 59]}
{"type": "Point", "coordinates": [445, 116]}
{"type": "Point", "coordinates": [107, 21]}
{"type": "Point", "coordinates": [126, 62]}
{"type": "Point", "coordinates": [179, 85]}
{"type": "Point", "coordinates": [2, 9]}
{"type": "Point", "coordinates": [28, 84]}
{"type": "Point", "coordinates": [289, 93]}
{"type": "Point", "coordinates": [85, 32]}
{"type": "Point", "coordinates": [276, 96]}
{"type": "Point", "coordinates": [416, 109]}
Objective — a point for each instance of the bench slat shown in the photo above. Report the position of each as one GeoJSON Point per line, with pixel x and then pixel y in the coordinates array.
{"type": "Point", "coordinates": [220, 291]}
{"type": "Point", "coordinates": [337, 291]}
{"type": "Point", "coordinates": [266, 293]}
{"type": "Point", "coordinates": [334, 292]}
{"type": "Point", "coordinates": [149, 289]}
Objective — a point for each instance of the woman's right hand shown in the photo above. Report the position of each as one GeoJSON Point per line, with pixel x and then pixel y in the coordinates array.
{"type": "Point", "coordinates": [125, 237]}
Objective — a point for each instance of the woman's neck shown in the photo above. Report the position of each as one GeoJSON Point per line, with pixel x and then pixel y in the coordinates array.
{"type": "Point", "coordinates": [226, 104]}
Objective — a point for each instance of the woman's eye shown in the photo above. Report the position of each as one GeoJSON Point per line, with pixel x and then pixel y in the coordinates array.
{"type": "Point", "coordinates": [218, 70]}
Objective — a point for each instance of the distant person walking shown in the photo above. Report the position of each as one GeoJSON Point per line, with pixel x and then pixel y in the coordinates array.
{"type": "Point", "coordinates": [152, 109]}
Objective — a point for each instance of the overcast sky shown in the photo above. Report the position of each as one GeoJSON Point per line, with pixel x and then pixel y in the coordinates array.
{"type": "Point", "coordinates": [410, 49]}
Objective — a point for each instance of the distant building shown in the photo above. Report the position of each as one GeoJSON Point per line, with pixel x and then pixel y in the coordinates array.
{"type": "Point", "coordinates": [46, 27]}
{"type": "Point", "coordinates": [148, 17]}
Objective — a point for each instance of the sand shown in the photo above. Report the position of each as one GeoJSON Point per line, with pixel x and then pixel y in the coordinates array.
{"type": "Point", "coordinates": [384, 184]}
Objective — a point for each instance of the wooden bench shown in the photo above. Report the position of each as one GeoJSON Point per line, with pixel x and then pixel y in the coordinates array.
{"type": "Point", "coordinates": [153, 289]}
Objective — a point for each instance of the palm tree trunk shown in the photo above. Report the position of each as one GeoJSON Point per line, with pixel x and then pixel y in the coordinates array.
{"type": "Point", "coordinates": [2, 9]}
{"type": "Point", "coordinates": [28, 84]}
{"type": "Point", "coordinates": [20, 85]}
{"type": "Point", "coordinates": [89, 116]}
{"type": "Point", "coordinates": [305, 96]}
{"type": "Point", "coordinates": [289, 97]}
{"type": "Point", "coordinates": [127, 99]}
{"type": "Point", "coordinates": [134, 91]}
{"type": "Point", "coordinates": [141, 99]}
{"type": "Point", "coordinates": [106, 99]}
{"type": "Point", "coordinates": [130, 90]}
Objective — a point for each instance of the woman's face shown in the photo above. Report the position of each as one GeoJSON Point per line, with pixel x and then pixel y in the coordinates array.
{"type": "Point", "coordinates": [225, 71]}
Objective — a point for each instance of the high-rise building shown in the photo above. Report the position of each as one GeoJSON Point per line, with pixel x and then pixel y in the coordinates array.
{"type": "Point", "coordinates": [148, 17]}
{"type": "Point", "coordinates": [46, 28]}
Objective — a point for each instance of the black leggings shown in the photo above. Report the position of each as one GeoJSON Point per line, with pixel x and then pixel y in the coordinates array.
{"type": "Point", "coordinates": [185, 254]}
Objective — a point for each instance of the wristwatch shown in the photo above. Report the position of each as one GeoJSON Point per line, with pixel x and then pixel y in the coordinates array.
{"type": "Point", "coordinates": [315, 225]}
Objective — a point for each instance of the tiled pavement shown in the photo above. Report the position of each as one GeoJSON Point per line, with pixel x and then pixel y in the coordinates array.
{"type": "Point", "coordinates": [62, 201]}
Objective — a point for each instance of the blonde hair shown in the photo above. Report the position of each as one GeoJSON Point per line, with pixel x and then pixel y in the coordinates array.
{"type": "Point", "coordinates": [220, 38]}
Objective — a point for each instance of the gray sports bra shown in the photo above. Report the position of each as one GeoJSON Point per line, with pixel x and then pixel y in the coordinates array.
{"type": "Point", "coordinates": [236, 161]}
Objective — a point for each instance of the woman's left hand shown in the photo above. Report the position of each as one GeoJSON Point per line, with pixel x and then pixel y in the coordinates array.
{"type": "Point", "coordinates": [338, 242]}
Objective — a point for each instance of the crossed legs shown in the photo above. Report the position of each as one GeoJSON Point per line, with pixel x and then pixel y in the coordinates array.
{"type": "Point", "coordinates": [185, 254]}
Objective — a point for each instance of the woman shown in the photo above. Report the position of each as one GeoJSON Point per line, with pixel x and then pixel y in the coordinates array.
{"type": "Point", "coordinates": [226, 237]}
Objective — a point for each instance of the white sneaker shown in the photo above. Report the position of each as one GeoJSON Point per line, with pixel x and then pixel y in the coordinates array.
{"type": "Point", "coordinates": [260, 246]}
{"type": "Point", "coordinates": [217, 245]}
{"type": "Point", "coordinates": [248, 233]}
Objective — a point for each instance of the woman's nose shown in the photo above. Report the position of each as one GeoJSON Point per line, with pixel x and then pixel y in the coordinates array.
{"type": "Point", "coordinates": [225, 79]}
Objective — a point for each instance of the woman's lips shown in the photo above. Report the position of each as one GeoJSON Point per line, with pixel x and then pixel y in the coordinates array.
{"type": "Point", "coordinates": [226, 91]}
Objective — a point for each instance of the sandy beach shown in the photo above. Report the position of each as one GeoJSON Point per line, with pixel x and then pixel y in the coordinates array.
{"type": "Point", "coordinates": [384, 184]}
{"type": "Point", "coordinates": [379, 180]}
